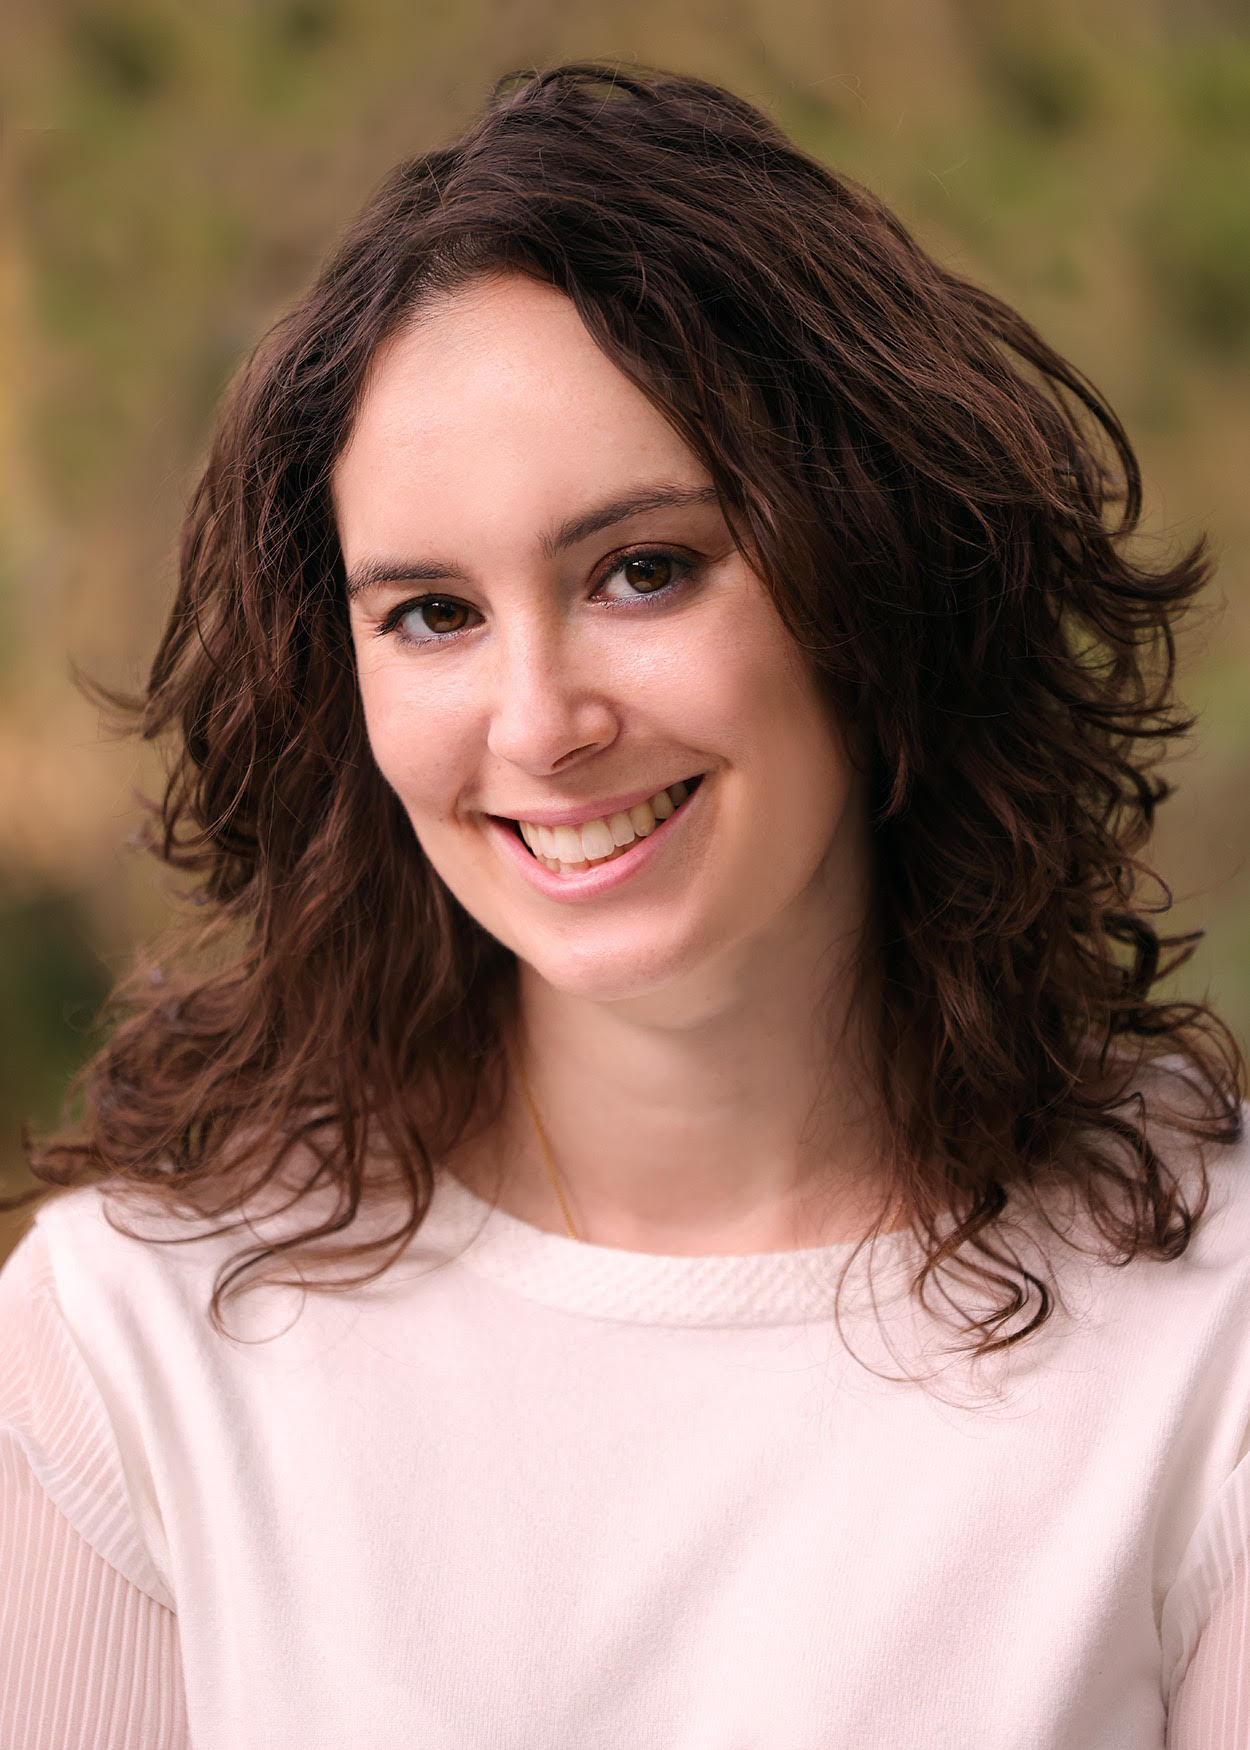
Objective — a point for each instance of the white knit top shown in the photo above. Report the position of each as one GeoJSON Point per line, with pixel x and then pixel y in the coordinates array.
{"type": "Point", "coordinates": [524, 1493]}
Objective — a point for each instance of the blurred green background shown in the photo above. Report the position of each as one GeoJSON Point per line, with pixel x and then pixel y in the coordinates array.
{"type": "Point", "coordinates": [172, 174]}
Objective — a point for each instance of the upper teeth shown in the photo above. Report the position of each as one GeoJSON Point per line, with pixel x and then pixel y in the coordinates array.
{"type": "Point", "coordinates": [594, 840]}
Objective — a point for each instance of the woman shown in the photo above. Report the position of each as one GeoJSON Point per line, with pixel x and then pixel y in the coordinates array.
{"type": "Point", "coordinates": [664, 706]}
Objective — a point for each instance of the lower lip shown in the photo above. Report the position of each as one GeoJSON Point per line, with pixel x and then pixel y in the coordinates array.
{"type": "Point", "coordinates": [592, 882]}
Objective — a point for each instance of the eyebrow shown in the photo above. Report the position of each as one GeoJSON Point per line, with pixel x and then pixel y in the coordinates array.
{"type": "Point", "coordinates": [372, 572]}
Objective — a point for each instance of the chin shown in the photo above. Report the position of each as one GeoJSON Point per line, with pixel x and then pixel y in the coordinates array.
{"type": "Point", "coordinates": [606, 977]}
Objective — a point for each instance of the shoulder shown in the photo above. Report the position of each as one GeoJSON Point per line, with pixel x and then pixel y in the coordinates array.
{"type": "Point", "coordinates": [1180, 1310]}
{"type": "Point", "coordinates": [1224, 1228]}
{"type": "Point", "coordinates": [57, 1414]}
{"type": "Point", "coordinates": [1210, 1180]}
{"type": "Point", "coordinates": [1179, 1325]}
{"type": "Point", "coordinates": [1200, 1298]}
{"type": "Point", "coordinates": [140, 1273]}
{"type": "Point", "coordinates": [1184, 1170]}
{"type": "Point", "coordinates": [130, 1238]}
{"type": "Point", "coordinates": [102, 1240]}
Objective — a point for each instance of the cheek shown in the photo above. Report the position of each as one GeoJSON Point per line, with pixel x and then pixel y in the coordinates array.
{"type": "Point", "coordinates": [418, 742]}
{"type": "Point", "coordinates": [754, 681]}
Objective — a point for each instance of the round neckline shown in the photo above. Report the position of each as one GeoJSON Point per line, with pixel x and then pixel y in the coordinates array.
{"type": "Point", "coordinates": [793, 1286]}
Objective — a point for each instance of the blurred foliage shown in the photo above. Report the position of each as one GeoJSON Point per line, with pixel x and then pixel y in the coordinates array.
{"type": "Point", "coordinates": [173, 174]}
{"type": "Point", "coordinates": [1195, 240]}
{"type": "Point", "coordinates": [52, 992]}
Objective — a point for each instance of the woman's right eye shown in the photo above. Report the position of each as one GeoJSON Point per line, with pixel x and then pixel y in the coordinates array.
{"type": "Point", "coordinates": [430, 620]}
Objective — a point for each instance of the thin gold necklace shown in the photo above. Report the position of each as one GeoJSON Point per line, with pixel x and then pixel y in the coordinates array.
{"type": "Point", "coordinates": [545, 1146]}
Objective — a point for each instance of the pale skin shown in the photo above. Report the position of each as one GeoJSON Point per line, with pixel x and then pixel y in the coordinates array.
{"type": "Point", "coordinates": [691, 1029]}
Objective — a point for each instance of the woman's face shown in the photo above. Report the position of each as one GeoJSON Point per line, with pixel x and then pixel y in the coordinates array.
{"type": "Point", "coordinates": [553, 626]}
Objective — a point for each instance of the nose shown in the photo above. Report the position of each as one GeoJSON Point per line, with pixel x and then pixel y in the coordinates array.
{"type": "Point", "coordinates": [550, 709]}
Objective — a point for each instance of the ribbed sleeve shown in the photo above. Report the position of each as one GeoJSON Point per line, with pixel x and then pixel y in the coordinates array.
{"type": "Point", "coordinates": [89, 1656]}
{"type": "Point", "coordinates": [87, 1660]}
{"type": "Point", "coordinates": [1207, 1628]}
{"type": "Point", "coordinates": [51, 1402]}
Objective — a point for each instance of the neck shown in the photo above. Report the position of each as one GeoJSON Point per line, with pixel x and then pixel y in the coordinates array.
{"type": "Point", "coordinates": [729, 1113]}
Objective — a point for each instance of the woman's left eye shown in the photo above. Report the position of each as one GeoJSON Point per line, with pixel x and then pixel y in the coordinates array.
{"type": "Point", "coordinates": [643, 574]}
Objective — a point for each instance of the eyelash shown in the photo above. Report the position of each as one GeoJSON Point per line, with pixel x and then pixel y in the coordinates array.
{"type": "Point", "coordinates": [392, 624]}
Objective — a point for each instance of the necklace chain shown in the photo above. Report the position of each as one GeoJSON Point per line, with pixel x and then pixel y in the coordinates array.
{"type": "Point", "coordinates": [549, 1160]}
{"type": "Point", "coordinates": [545, 1146]}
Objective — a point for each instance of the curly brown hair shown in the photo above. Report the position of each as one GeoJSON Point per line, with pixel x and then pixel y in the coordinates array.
{"type": "Point", "coordinates": [942, 509]}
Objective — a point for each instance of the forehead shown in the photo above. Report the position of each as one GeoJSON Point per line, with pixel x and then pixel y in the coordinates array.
{"type": "Point", "coordinates": [495, 406]}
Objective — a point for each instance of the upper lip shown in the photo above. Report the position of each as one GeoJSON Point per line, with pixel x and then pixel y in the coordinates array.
{"type": "Point", "coordinates": [577, 814]}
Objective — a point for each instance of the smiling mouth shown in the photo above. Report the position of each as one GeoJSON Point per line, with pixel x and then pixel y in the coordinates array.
{"type": "Point", "coordinates": [570, 850]}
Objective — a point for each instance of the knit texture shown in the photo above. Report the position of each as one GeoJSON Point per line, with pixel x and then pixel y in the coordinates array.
{"type": "Point", "coordinates": [525, 1492]}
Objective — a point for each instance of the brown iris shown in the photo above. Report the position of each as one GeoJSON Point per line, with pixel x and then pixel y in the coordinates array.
{"type": "Point", "coordinates": [648, 571]}
{"type": "Point", "coordinates": [443, 616]}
